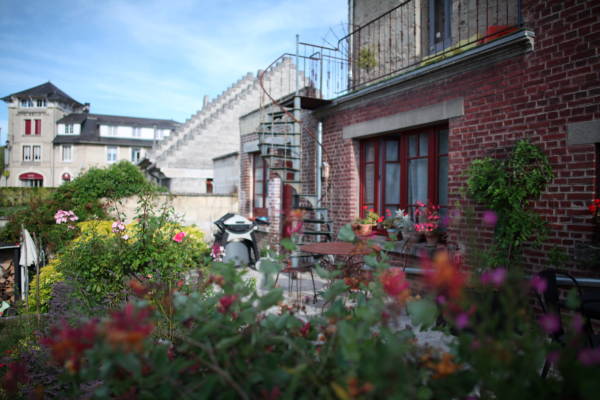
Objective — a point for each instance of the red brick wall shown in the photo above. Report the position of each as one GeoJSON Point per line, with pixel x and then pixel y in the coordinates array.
{"type": "Point", "coordinates": [531, 96]}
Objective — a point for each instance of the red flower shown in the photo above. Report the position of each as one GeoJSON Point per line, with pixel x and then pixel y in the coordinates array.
{"type": "Point", "coordinates": [179, 237]}
{"type": "Point", "coordinates": [68, 344]}
{"type": "Point", "coordinates": [305, 329]}
{"type": "Point", "coordinates": [16, 374]}
{"type": "Point", "coordinates": [138, 289]}
{"type": "Point", "coordinates": [128, 328]}
{"type": "Point", "coordinates": [394, 283]}
{"type": "Point", "coordinates": [225, 303]}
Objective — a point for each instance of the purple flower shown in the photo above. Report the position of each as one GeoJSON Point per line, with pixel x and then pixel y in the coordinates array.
{"type": "Point", "coordinates": [494, 277]}
{"type": "Point", "coordinates": [462, 320]}
{"type": "Point", "coordinates": [490, 218]}
{"type": "Point", "coordinates": [589, 357]}
{"type": "Point", "coordinates": [539, 284]}
{"type": "Point", "coordinates": [577, 323]}
{"type": "Point", "coordinates": [550, 323]}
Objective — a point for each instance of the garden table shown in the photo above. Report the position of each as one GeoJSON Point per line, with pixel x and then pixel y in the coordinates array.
{"type": "Point", "coordinates": [350, 255]}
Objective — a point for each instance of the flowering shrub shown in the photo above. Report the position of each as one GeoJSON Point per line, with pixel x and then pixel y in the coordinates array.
{"type": "Point", "coordinates": [428, 218]}
{"type": "Point", "coordinates": [49, 276]}
{"type": "Point", "coordinates": [370, 218]}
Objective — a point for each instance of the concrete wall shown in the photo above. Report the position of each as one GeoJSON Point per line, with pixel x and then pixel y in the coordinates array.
{"type": "Point", "coordinates": [199, 210]}
{"type": "Point", "coordinates": [226, 174]}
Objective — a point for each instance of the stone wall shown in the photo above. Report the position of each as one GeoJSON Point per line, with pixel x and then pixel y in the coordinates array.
{"type": "Point", "coordinates": [200, 210]}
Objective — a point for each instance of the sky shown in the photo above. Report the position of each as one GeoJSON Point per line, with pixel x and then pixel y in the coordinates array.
{"type": "Point", "coordinates": [151, 58]}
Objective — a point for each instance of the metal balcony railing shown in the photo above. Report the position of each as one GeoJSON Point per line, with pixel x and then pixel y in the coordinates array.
{"type": "Point", "coordinates": [417, 33]}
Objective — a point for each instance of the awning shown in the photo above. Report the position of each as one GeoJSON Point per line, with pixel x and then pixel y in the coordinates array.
{"type": "Point", "coordinates": [31, 176]}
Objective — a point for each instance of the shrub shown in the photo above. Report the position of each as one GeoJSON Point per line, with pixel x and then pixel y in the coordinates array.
{"type": "Point", "coordinates": [49, 276]}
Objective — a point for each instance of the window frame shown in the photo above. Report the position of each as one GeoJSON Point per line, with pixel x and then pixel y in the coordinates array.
{"type": "Point", "coordinates": [36, 155]}
{"type": "Point", "coordinates": [136, 132]}
{"type": "Point", "coordinates": [380, 168]}
{"type": "Point", "coordinates": [133, 151]}
{"type": "Point", "coordinates": [27, 156]}
{"type": "Point", "coordinates": [446, 11]}
{"type": "Point", "coordinates": [259, 211]}
{"type": "Point", "coordinates": [28, 127]}
{"type": "Point", "coordinates": [108, 153]}
{"type": "Point", "coordinates": [63, 148]}
{"type": "Point", "coordinates": [38, 127]}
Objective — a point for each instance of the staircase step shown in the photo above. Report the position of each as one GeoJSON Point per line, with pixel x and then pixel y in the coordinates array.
{"type": "Point", "coordinates": [315, 233]}
{"type": "Point", "coordinates": [284, 169]}
{"type": "Point", "coordinates": [317, 221]}
{"type": "Point", "coordinates": [277, 157]}
{"type": "Point", "coordinates": [278, 122]}
{"type": "Point", "coordinates": [278, 133]}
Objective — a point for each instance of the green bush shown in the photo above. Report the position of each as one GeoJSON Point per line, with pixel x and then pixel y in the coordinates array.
{"type": "Point", "coordinates": [49, 276]}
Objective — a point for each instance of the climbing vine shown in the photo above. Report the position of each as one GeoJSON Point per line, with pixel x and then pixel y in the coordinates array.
{"type": "Point", "coordinates": [508, 187]}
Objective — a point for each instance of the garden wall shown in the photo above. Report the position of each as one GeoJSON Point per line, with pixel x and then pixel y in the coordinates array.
{"type": "Point", "coordinates": [200, 210]}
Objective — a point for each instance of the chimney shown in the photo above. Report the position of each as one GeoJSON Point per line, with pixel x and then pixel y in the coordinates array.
{"type": "Point", "coordinates": [86, 107]}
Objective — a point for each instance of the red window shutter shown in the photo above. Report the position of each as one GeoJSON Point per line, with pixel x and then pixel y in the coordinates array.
{"type": "Point", "coordinates": [38, 126]}
{"type": "Point", "coordinates": [28, 127]}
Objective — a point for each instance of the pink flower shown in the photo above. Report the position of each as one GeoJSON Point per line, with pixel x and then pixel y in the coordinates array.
{"type": "Point", "coordinates": [539, 284]}
{"type": "Point", "coordinates": [494, 277]}
{"type": "Point", "coordinates": [225, 303]}
{"type": "Point", "coordinates": [63, 216]}
{"type": "Point", "coordinates": [118, 226]}
{"type": "Point", "coordinates": [462, 320]}
{"type": "Point", "coordinates": [125, 237]}
{"type": "Point", "coordinates": [589, 357]}
{"type": "Point", "coordinates": [550, 323]}
{"type": "Point", "coordinates": [179, 237]}
{"type": "Point", "coordinates": [490, 218]}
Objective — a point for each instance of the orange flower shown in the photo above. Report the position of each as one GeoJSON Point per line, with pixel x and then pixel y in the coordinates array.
{"type": "Point", "coordinates": [128, 328]}
{"type": "Point", "coordinates": [395, 284]}
{"type": "Point", "coordinates": [443, 276]}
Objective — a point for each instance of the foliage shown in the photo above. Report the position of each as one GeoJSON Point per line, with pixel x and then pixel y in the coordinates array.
{"type": "Point", "coordinates": [366, 59]}
{"type": "Point", "coordinates": [107, 253]}
{"type": "Point", "coordinates": [82, 196]}
{"type": "Point", "coordinates": [370, 218]}
{"type": "Point", "coordinates": [19, 196]}
{"type": "Point", "coordinates": [428, 218]}
{"type": "Point", "coordinates": [49, 276]}
{"type": "Point", "coordinates": [230, 341]}
{"type": "Point", "coordinates": [508, 187]}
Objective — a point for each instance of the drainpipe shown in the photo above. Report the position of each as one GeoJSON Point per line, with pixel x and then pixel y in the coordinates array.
{"type": "Point", "coordinates": [319, 154]}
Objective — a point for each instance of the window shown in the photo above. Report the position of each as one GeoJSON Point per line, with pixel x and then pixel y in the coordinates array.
{"type": "Point", "coordinates": [40, 102]}
{"type": "Point", "coordinates": [136, 153]}
{"type": "Point", "coordinates": [67, 152]}
{"type": "Point", "coordinates": [209, 185]}
{"type": "Point", "coordinates": [111, 153]}
{"type": "Point", "coordinates": [399, 170]}
{"type": "Point", "coordinates": [28, 127]}
{"type": "Point", "coordinates": [112, 131]}
{"type": "Point", "coordinates": [37, 153]}
{"type": "Point", "coordinates": [69, 129]}
{"type": "Point", "coordinates": [137, 132]}
{"type": "Point", "coordinates": [38, 127]}
{"type": "Point", "coordinates": [440, 15]}
{"type": "Point", "coordinates": [259, 166]}
{"type": "Point", "coordinates": [26, 103]}
{"type": "Point", "coordinates": [26, 153]}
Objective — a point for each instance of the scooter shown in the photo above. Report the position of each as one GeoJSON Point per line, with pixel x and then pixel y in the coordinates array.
{"type": "Point", "coordinates": [236, 239]}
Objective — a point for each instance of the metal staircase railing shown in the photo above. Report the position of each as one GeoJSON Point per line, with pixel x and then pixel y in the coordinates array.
{"type": "Point", "coordinates": [282, 133]}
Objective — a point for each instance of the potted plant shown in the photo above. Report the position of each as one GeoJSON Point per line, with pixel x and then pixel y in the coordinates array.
{"type": "Point", "coordinates": [428, 218]}
{"type": "Point", "coordinates": [405, 224]}
{"type": "Point", "coordinates": [364, 226]}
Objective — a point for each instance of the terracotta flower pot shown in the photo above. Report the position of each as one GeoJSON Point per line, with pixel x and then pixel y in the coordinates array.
{"type": "Point", "coordinates": [363, 229]}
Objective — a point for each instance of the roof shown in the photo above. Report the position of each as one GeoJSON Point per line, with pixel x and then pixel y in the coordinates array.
{"type": "Point", "coordinates": [224, 156]}
{"type": "Point", "coordinates": [90, 129]}
{"type": "Point", "coordinates": [46, 90]}
{"type": "Point", "coordinates": [102, 119]}
{"type": "Point", "coordinates": [101, 141]}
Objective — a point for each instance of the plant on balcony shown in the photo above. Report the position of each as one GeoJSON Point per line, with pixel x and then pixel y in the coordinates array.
{"type": "Point", "coordinates": [366, 59]}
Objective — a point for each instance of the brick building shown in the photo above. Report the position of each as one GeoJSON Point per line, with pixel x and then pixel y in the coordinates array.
{"type": "Point", "coordinates": [434, 85]}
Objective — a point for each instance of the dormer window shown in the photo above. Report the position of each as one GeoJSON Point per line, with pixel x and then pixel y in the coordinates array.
{"type": "Point", "coordinates": [137, 132]}
{"type": "Point", "coordinates": [27, 103]}
{"type": "Point", "coordinates": [40, 103]}
{"type": "Point", "coordinates": [69, 129]}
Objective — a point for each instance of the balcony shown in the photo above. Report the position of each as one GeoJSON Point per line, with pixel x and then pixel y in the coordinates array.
{"type": "Point", "coordinates": [420, 33]}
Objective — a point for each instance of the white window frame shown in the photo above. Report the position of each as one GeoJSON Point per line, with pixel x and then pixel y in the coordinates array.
{"type": "Point", "coordinates": [136, 131]}
{"type": "Point", "coordinates": [112, 157]}
{"type": "Point", "coordinates": [69, 129]}
{"type": "Point", "coordinates": [70, 152]}
{"type": "Point", "coordinates": [139, 154]}
{"type": "Point", "coordinates": [26, 103]}
{"type": "Point", "coordinates": [26, 156]}
{"type": "Point", "coordinates": [112, 130]}
{"type": "Point", "coordinates": [40, 103]}
{"type": "Point", "coordinates": [37, 156]}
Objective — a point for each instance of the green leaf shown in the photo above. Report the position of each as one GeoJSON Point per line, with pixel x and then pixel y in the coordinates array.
{"type": "Point", "coordinates": [325, 274]}
{"type": "Point", "coordinates": [572, 299]}
{"type": "Point", "coordinates": [228, 342]}
{"type": "Point", "coordinates": [271, 298]}
{"type": "Point", "coordinates": [346, 234]}
{"type": "Point", "coordinates": [287, 244]}
{"type": "Point", "coordinates": [422, 312]}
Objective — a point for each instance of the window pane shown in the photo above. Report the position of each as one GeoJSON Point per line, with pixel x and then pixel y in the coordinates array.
{"type": "Point", "coordinates": [258, 187]}
{"type": "Point", "coordinates": [392, 183]}
{"type": "Point", "coordinates": [369, 152]}
{"type": "Point", "coordinates": [443, 142]}
{"type": "Point", "coordinates": [423, 141]}
{"type": "Point", "coordinates": [443, 181]}
{"type": "Point", "coordinates": [391, 150]}
{"type": "Point", "coordinates": [258, 201]}
{"type": "Point", "coordinates": [412, 146]}
{"type": "Point", "coordinates": [369, 183]}
{"type": "Point", "coordinates": [417, 181]}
